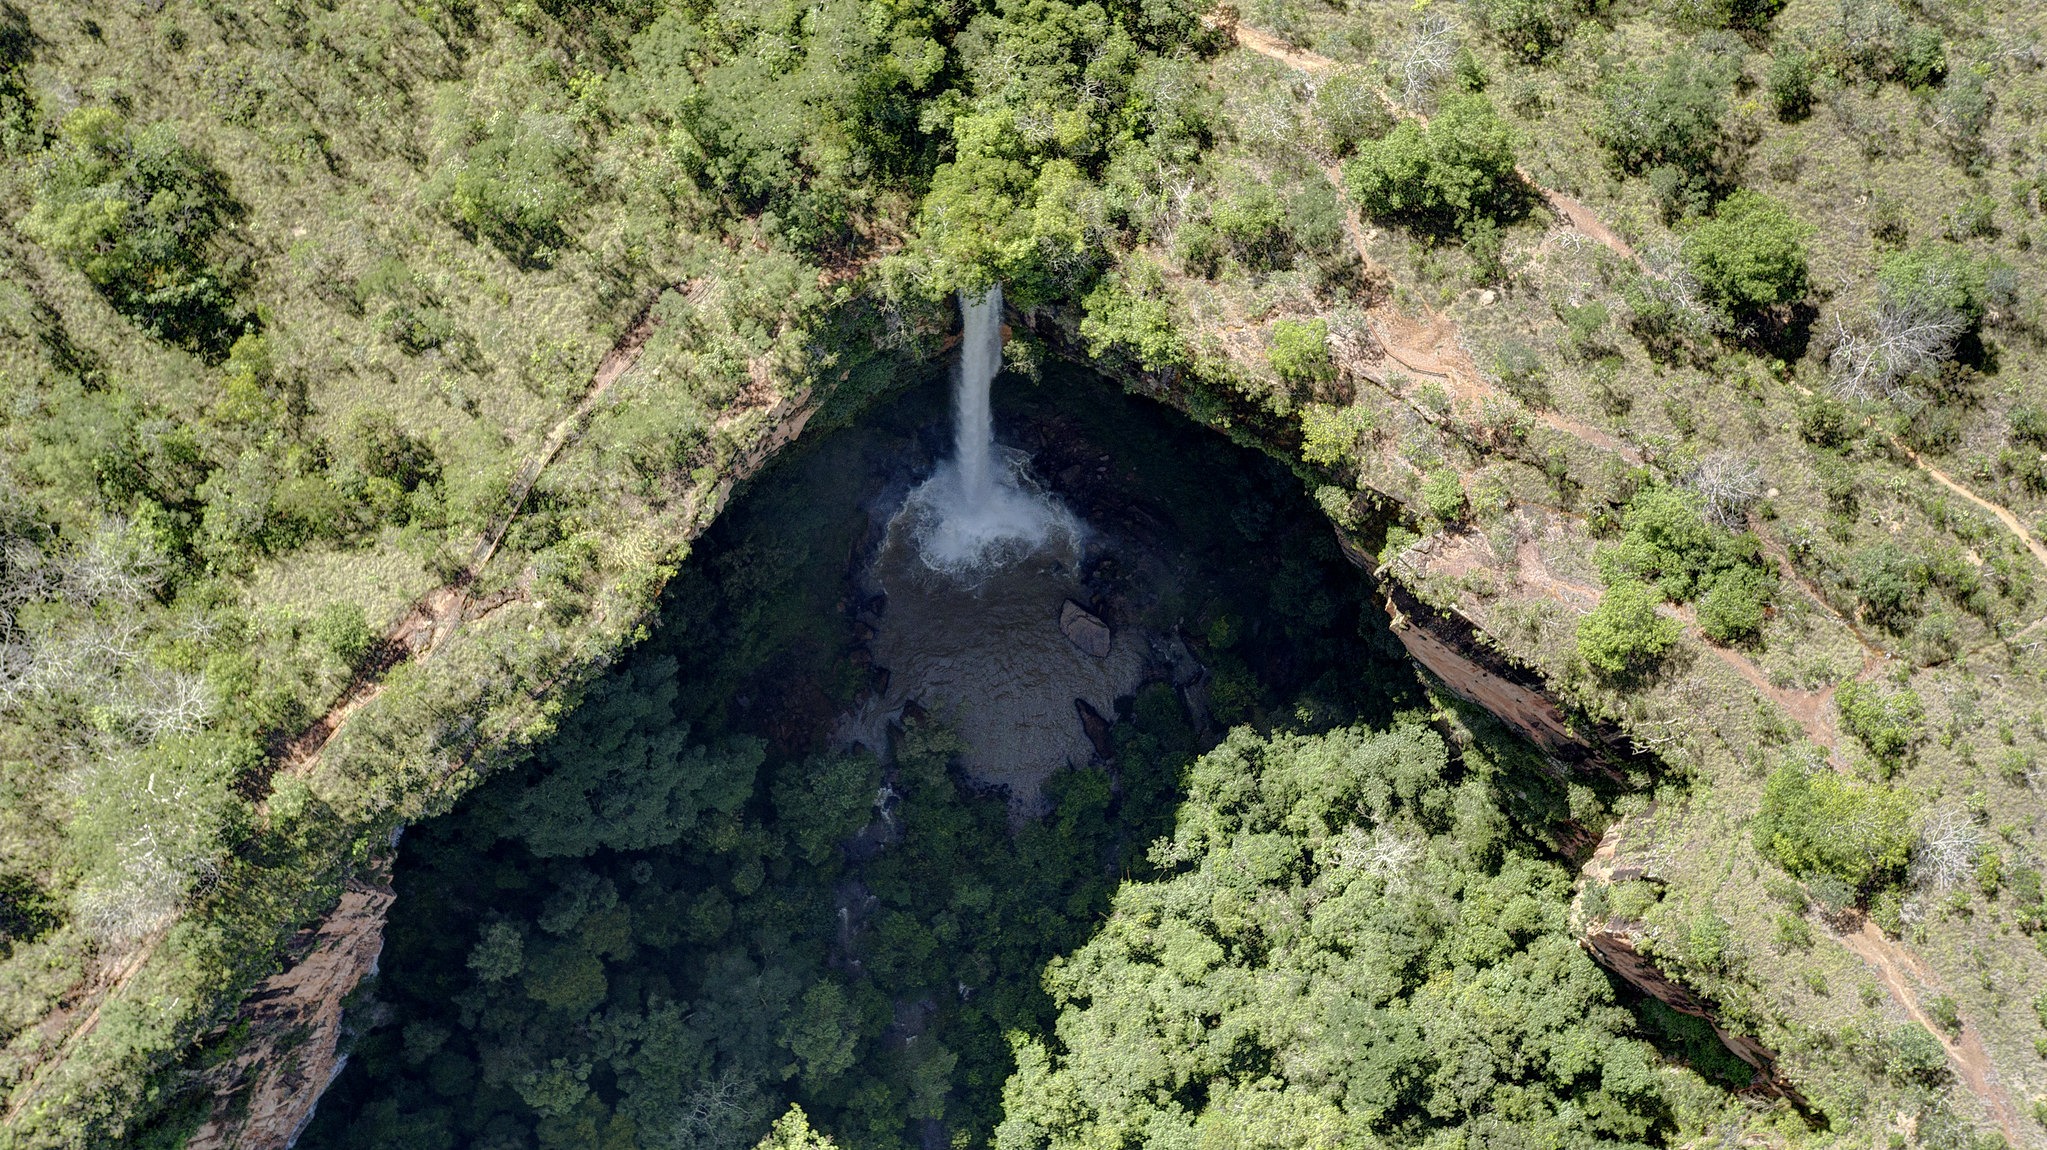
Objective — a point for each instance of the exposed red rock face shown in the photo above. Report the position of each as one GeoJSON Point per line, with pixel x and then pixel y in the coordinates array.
{"type": "Point", "coordinates": [1526, 710]}
{"type": "Point", "coordinates": [1614, 944]}
{"type": "Point", "coordinates": [294, 1020]}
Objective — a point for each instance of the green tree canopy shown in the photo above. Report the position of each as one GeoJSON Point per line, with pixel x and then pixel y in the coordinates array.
{"type": "Point", "coordinates": [1817, 822]}
{"type": "Point", "coordinates": [1625, 634]}
{"type": "Point", "coordinates": [1751, 254]}
{"type": "Point", "coordinates": [623, 775]}
{"type": "Point", "coordinates": [1442, 177]}
{"type": "Point", "coordinates": [1345, 949]}
{"type": "Point", "coordinates": [1664, 121]}
{"type": "Point", "coordinates": [138, 213]}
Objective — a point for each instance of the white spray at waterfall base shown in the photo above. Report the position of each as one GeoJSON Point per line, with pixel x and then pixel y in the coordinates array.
{"type": "Point", "coordinates": [980, 509]}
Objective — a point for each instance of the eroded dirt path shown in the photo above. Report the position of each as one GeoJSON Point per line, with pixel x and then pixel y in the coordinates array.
{"type": "Point", "coordinates": [1422, 353]}
{"type": "Point", "coordinates": [438, 613]}
{"type": "Point", "coordinates": [1903, 975]}
{"type": "Point", "coordinates": [416, 634]}
{"type": "Point", "coordinates": [1573, 212]}
{"type": "Point", "coordinates": [1430, 347]}
{"type": "Point", "coordinates": [2002, 513]}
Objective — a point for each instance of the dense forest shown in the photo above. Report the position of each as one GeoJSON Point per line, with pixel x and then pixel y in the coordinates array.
{"type": "Point", "coordinates": [682, 918]}
{"type": "Point", "coordinates": [374, 379]}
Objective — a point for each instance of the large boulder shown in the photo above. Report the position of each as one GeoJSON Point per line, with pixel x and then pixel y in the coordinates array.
{"type": "Point", "coordinates": [1084, 630]}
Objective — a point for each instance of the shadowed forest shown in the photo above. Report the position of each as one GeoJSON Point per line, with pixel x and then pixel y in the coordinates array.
{"type": "Point", "coordinates": [1292, 903]}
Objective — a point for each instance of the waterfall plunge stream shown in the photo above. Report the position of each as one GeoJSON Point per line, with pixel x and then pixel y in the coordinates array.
{"type": "Point", "coordinates": [976, 567]}
{"type": "Point", "coordinates": [981, 510]}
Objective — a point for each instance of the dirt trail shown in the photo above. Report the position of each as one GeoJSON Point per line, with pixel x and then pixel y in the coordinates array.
{"type": "Point", "coordinates": [415, 635]}
{"type": "Point", "coordinates": [1574, 213]}
{"type": "Point", "coordinates": [2003, 514]}
{"type": "Point", "coordinates": [439, 612]}
{"type": "Point", "coordinates": [1900, 970]}
{"type": "Point", "coordinates": [1431, 347]}
{"type": "Point", "coordinates": [1420, 352]}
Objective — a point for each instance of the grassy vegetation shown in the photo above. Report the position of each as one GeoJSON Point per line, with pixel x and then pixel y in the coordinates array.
{"type": "Point", "coordinates": [292, 293]}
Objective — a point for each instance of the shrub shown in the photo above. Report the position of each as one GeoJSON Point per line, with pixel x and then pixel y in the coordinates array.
{"type": "Point", "coordinates": [1746, 15]}
{"type": "Point", "coordinates": [1821, 824]}
{"type": "Point", "coordinates": [1530, 29]}
{"type": "Point", "coordinates": [1885, 722]}
{"type": "Point", "coordinates": [1132, 320]}
{"type": "Point", "coordinates": [1349, 109]}
{"type": "Point", "coordinates": [1823, 420]}
{"type": "Point", "coordinates": [1315, 220]}
{"type": "Point", "coordinates": [1300, 352]}
{"type": "Point", "coordinates": [1443, 494]}
{"type": "Point", "coordinates": [1732, 610]}
{"type": "Point", "coordinates": [1665, 541]}
{"type": "Point", "coordinates": [1889, 583]}
{"type": "Point", "coordinates": [1938, 278]}
{"type": "Point", "coordinates": [1877, 40]}
{"type": "Point", "coordinates": [1929, 301]}
{"type": "Point", "coordinates": [1791, 77]}
{"type": "Point", "coordinates": [2028, 424]}
{"type": "Point", "coordinates": [1914, 1054]}
{"type": "Point", "coordinates": [1250, 220]}
{"type": "Point", "coordinates": [1750, 255]}
{"type": "Point", "coordinates": [512, 178]}
{"type": "Point", "coordinates": [1665, 121]}
{"type": "Point", "coordinates": [1961, 113]}
{"type": "Point", "coordinates": [343, 629]}
{"type": "Point", "coordinates": [1440, 178]}
{"type": "Point", "coordinates": [137, 212]}
{"type": "Point", "coordinates": [1330, 434]}
{"type": "Point", "coordinates": [1624, 634]}
{"type": "Point", "coordinates": [1584, 324]}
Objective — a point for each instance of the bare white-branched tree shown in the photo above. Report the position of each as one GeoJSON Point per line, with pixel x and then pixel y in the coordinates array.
{"type": "Point", "coordinates": [1729, 484]}
{"type": "Point", "coordinates": [17, 672]}
{"type": "Point", "coordinates": [1426, 59]}
{"type": "Point", "coordinates": [1903, 335]}
{"type": "Point", "coordinates": [1945, 856]}
{"type": "Point", "coordinates": [163, 703]}
{"type": "Point", "coordinates": [26, 576]}
{"type": "Point", "coordinates": [117, 563]}
{"type": "Point", "coordinates": [165, 843]}
{"type": "Point", "coordinates": [1380, 852]}
{"type": "Point", "coordinates": [1667, 280]}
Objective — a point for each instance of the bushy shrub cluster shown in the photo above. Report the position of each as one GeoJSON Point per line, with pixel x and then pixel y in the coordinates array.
{"type": "Point", "coordinates": [1816, 822]}
{"type": "Point", "coordinates": [141, 214]}
{"type": "Point", "coordinates": [1625, 634]}
{"type": "Point", "coordinates": [1885, 721]}
{"type": "Point", "coordinates": [1666, 542]}
{"type": "Point", "coordinates": [1444, 179]}
{"type": "Point", "coordinates": [1664, 121]}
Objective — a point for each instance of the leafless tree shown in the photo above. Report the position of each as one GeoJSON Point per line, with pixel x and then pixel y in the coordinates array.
{"type": "Point", "coordinates": [1905, 334]}
{"type": "Point", "coordinates": [1729, 484]}
{"type": "Point", "coordinates": [168, 847]}
{"type": "Point", "coordinates": [1425, 59]}
{"type": "Point", "coordinates": [1945, 856]}
{"type": "Point", "coordinates": [17, 671]}
{"type": "Point", "coordinates": [1667, 280]}
{"type": "Point", "coordinates": [116, 564]}
{"type": "Point", "coordinates": [1380, 852]}
{"type": "Point", "coordinates": [168, 702]}
{"type": "Point", "coordinates": [25, 577]}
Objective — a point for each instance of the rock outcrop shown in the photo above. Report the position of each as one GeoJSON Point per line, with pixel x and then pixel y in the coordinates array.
{"type": "Point", "coordinates": [1097, 729]}
{"type": "Point", "coordinates": [1617, 945]}
{"type": "Point", "coordinates": [294, 1018]}
{"type": "Point", "coordinates": [1084, 629]}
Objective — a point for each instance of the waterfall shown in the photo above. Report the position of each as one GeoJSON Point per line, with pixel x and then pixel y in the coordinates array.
{"type": "Point", "coordinates": [973, 421]}
{"type": "Point", "coordinates": [981, 509]}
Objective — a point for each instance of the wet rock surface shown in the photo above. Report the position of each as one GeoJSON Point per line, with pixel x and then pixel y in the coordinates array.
{"type": "Point", "coordinates": [1085, 631]}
